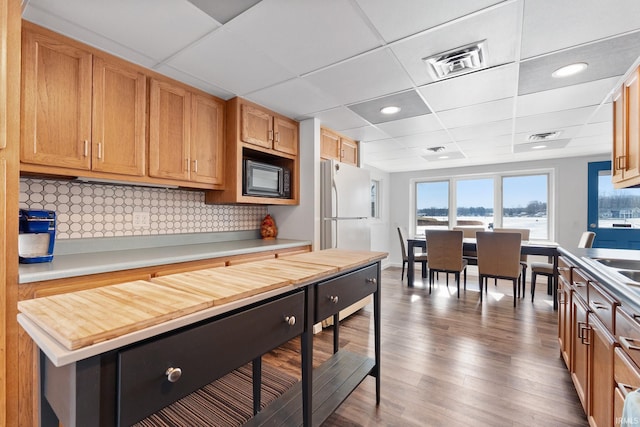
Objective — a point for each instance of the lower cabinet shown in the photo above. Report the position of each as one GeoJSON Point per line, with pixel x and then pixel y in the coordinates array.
{"type": "Point", "coordinates": [601, 345]}
{"type": "Point", "coordinates": [579, 366]}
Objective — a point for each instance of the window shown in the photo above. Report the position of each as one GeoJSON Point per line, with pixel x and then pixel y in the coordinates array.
{"type": "Point", "coordinates": [474, 202]}
{"type": "Point", "coordinates": [524, 204]}
{"type": "Point", "coordinates": [509, 201]}
{"type": "Point", "coordinates": [617, 208]}
{"type": "Point", "coordinates": [432, 203]}
{"type": "Point", "coordinates": [375, 198]}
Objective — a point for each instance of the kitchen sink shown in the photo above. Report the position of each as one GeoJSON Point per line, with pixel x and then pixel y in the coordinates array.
{"type": "Point", "coordinates": [622, 264]}
{"type": "Point", "coordinates": [631, 274]}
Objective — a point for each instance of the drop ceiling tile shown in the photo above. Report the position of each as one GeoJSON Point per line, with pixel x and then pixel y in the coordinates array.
{"type": "Point", "coordinates": [473, 88]}
{"type": "Point", "coordinates": [419, 124]}
{"type": "Point", "coordinates": [424, 140]}
{"type": "Point", "coordinates": [381, 146]}
{"type": "Point", "coordinates": [602, 129]}
{"type": "Point", "coordinates": [484, 130]}
{"type": "Point", "coordinates": [551, 25]}
{"type": "Point", "coordinates": [395, 22]}
{"type": "Point", "coordinates": [549, 122]}
{"type": "Point", "coordinates": [604, 113]}
{"type": "Point", "coordinates": [485, 145]}
{"type": "Point", "coordinates": [340, 118]}
{"type": "Point", "coordinates": [366, 133]}
{"type": "Point", "coordinates": [154, 29]}
{"type": "Point", "coordinates": [402, 165]}
{"type": "Point", "coordinates": [194, 81]}
{"type": "Point", "coordinates": [409, 102]}
{"type": "Point", "coordinates": [497, 26]}
{"type": "Point", "coordinates": [226, 61]}
{"type": "Point", "coordinates": [565, 98]}
{"type": "Point", "coordinates": [606, 58]}
{"type": "Point", "coordinates": [305, 35]}
{"type": "Point", "coordinates": [294, 98]}
{"type": "Point", "coordinates": [601, 144]}
{"type": "Point", "coordinates": [476, 114]}
{"type": "Point", "coordinates": [365, 77]}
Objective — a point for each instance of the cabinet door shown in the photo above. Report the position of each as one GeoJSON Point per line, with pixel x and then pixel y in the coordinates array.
{"type": "Point", "coordinates": [207, 144]}
{"type": "Point", "coordinates": [56, 103]}
{"type": "Point", "coordinates": [169, 115]}
{"type": "Point", "coordinates": [348, 151]}
{"type": "Point", "coordinates": [286, 135]}
{"type": "Point", "coordinates": [564, 320]}
{"type": "Point", "coordinates": [579, 349]}
{"type": "Point", "coordinates": [256, 127]}
{"type": "Point", "coordinates": [329, 145]}
{"type": "Point", "coordinates": [632, 125]}
{"type": "Point", "coordinates": [601, 345]}
{"type": "Point", "coordinates": [618, 155]}
{"type": "Point", "coordinates": [118, 131]}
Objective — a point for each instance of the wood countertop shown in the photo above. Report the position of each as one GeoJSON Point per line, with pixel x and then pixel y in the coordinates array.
{"type": "Point", "coordinates": [79, 324]}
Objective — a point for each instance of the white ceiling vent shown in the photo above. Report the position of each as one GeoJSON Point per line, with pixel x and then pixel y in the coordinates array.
{"type": "Point", "coordinates": [457, 61]}
{"type": "Point", "coordinates": [544, 136]}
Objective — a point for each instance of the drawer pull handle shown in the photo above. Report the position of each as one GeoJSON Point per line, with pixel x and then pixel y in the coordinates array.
{"type": "Point", "coordinates": [333, 298]}
{"type": "Point", "coordinates": [625, 388]}
{"type": "Point", "coordinates": [173, 374]}
{"type": "Point", "coordinates": [626, 344]}
{"type": "Point", "coordinates": [579, 284]}
{"type": "Point", "coordinates": [372, 280]}
{"type": "Point", "coordinates": [291, 320]}
{"type": "Point", "coordinates": [599, 305]}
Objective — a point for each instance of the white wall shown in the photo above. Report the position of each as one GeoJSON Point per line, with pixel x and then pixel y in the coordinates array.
{"type": "Point", "coordinates": [570, 196]}
{"type": "Point", "coordinates": [302, 222]}
{"type": "Point", "coordinates": [380, 226]}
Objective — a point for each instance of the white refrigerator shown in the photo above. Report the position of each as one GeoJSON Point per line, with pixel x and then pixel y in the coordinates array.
{"type": "Point", "coordinates": [345, 204]}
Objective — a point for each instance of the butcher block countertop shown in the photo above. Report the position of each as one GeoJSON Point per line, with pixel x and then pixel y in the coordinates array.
{"type": "Point", "coordinates": [76, 325]}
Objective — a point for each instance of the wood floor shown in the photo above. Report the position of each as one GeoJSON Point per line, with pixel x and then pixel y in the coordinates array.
{"type": "Point", "coordinates": [453, 362]}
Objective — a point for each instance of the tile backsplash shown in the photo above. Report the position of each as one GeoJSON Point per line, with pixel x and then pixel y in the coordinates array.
{"type": "Point", "coordinates": [102, 210]}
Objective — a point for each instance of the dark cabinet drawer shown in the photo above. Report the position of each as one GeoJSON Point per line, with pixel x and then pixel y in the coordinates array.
{"type": "Point", "coordinates": [203, 354]}
{"type": "Point", "coordinates": [339, 293]}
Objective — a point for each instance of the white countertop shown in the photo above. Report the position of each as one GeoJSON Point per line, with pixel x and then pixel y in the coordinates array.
{"type": "Point", "coordinates": [80, 264]}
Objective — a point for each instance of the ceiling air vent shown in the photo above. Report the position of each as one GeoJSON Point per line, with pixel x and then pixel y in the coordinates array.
{"type": "Point", "coordinates": [544, 136]}
{"type": "Point", "coordinates": [457, 61]}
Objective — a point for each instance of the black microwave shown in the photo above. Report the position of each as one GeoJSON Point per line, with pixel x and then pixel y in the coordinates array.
{"type": "Point", "coordinates": [266, 180]}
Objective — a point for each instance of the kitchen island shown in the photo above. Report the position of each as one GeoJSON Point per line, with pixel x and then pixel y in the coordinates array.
{"type": "Point", "coordinates": [126, 373]}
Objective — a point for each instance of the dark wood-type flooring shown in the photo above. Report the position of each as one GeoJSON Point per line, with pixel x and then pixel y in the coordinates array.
{"type": "Point", "coordinates": [453, 362]}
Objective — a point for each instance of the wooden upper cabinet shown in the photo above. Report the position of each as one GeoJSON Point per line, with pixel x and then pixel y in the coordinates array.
{"type": "Point", "coordinates": [80, 111]}
{"type": "Point", "coordinates": [261, 128]}
{"type": "Point", "coordinates": [338, 147]}
{"type": "Point", "coordinates": [186, 134]}
{"type": "Point", "coordinates": [626, 132]}
{"type": "Point", "coordinates": [56, 103]}
{"type": "Point", "coordinates": [207, 139]}
{"type": "Point", "coordinates": [118, 119]}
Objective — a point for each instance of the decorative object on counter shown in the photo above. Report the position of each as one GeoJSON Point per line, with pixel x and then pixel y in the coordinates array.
{"type": "Point", "coordinates": [37, 236]}
{"type": "Point", "coordinates": [268, 229]}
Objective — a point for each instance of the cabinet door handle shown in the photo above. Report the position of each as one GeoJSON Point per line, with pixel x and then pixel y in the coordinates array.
{"type": "Point", "coordinates": [580, 328]}
{"type": "Point", "coordinates": [626, 343]}
{"type": "Point", "coordinates": [585, 336]}
{"type": "Point", "coordinates": [333, 298]}
{"type": "Point", "coordinates": [277, 136]}
{"type": "Point", "coordinates": [173, 374]}
{"type": "Point", "coordinates": [187, 164]}
{"type": "Point", "coordinates": [86, 148]}
{"type": "Point", "coordinates": [99, 150]}
{"type": "Point", "coordinates": [270, 137]}
{"type": "Point", "coordinates": [195, 166]}
{"type": "Point", "coordinates": [622, 162]}
{"type": "Point", "coordinates": [291, 320]}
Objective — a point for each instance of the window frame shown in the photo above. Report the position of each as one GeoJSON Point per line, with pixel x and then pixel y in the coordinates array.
{"type": "Point", "coordinates": [497, 201]}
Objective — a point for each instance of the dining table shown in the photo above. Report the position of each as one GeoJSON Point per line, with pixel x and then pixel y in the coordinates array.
{"type": "Point", "coordinates": [527, 247]}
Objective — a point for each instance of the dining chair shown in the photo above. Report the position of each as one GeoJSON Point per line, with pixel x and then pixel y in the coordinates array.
{"type": "Point", "coordinates": [445, 255]}
{"type": "Point", "coordinates": [499, 258]}
{"type": "Point", "coordinates": [469, 232]}
{"type": "Point", "coordinates": [546, 269]}
{"type": "Point", "coordinates": [524, 233]}
{"type": "Point", "coordinates": [418, 257]}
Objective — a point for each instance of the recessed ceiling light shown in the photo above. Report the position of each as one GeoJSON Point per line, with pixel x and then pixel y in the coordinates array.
{"type": "Point", "coordinates": [443, 157]}
{"type": "Point", "coordinates": [570, 70]}
{"type": "Point", "coordinates": [391, 109]}
{"type": "Point", "coordinates": [538, 147]}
